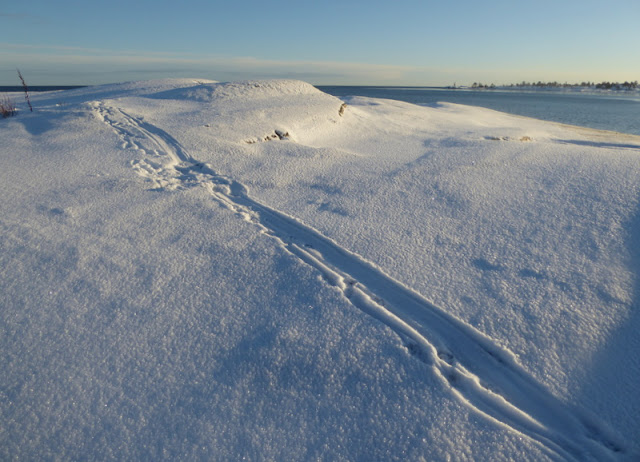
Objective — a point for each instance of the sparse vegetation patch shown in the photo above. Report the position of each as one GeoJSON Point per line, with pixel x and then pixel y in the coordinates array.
{"type": "Point", "coordinates": [7, 107]}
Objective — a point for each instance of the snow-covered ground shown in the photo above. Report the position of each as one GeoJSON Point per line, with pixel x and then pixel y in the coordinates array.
{"type": "Point", "coordinates": [194, 270]}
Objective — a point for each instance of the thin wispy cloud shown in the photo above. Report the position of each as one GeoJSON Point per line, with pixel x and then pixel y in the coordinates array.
{"type": "Point", "coordinates": [91, 62]}
{"type": "Point", "coordinates": [22, 20]}
{"type": "Point", "coordinates": [62, 65]}
{"type": "Point", "coordinates": [18, 16]}
{"type": "Point", "coordinates": [66, 50]}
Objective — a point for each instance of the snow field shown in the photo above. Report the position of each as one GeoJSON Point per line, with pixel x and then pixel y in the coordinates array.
{"type": "Point", "coordinates": [225, 301]}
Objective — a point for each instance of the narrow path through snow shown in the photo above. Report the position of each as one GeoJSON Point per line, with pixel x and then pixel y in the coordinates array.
{"type": "Point", "coordinates": [483, 375]}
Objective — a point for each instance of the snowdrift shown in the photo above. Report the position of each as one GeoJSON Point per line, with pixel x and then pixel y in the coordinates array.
{"type": "Point", "coordinates": [201, 270]}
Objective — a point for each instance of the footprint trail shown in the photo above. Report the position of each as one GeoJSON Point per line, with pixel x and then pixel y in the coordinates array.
{"type": "Point", "coordinates": [482, 375]}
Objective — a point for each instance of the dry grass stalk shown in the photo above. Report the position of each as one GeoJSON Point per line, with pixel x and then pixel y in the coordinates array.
{"type": "Point", "coordinates": [26, 90]}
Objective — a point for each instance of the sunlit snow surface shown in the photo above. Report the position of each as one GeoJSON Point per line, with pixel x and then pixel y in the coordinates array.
{"type": "Point", "coordinates": [193, 270]}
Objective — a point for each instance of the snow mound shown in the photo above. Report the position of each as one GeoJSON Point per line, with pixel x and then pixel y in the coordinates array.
{"type": "Point", "coordinates": [255, 90]}
{"type": "Point", "coordinates": [244, 112]}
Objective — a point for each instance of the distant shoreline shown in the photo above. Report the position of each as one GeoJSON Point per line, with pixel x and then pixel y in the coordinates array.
{"type": "Point", "coordinates": [35, 88]}
{"type": "Point", "coordinates": [523, 88]}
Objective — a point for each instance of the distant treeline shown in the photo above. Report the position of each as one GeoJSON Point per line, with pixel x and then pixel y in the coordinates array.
{"type": "Point", "coordinates": [602, 85]}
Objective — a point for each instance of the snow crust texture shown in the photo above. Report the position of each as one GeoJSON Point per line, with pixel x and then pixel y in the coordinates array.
{"type": "Point", "coordinates": [255, 270]}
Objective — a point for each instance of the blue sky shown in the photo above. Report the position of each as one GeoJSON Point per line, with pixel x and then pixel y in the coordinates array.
{"type": "Point", "coordinates": [329, 42]}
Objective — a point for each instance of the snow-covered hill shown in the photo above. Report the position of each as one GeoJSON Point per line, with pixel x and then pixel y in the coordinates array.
{"type": "Point", "coordinates": [215, 271]}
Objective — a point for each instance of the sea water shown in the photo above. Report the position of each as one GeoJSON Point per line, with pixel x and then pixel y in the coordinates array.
{"type": "Point", "coordinates": [616, 110]}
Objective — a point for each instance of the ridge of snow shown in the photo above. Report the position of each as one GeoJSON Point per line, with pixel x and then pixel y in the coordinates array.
{"type": "Point", "coordinates": [238, 91]}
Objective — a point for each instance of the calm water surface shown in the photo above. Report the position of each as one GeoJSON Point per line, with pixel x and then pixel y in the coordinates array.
{"type": "Point", "coordinates": [616, 111]}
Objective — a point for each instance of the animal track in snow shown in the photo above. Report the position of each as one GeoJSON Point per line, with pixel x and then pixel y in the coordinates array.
{"type": "Point", "coordinates": [482, 375]}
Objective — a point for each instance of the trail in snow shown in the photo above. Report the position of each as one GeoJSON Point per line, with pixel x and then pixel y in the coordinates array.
{"type": "Point", "coordinates": [483, 375]}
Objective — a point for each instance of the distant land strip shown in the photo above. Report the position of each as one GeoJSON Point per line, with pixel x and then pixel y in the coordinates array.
{"type": "Point", "coordinates": [34, 88]}
{"type": "Point", "coordinates": [600, 86]}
